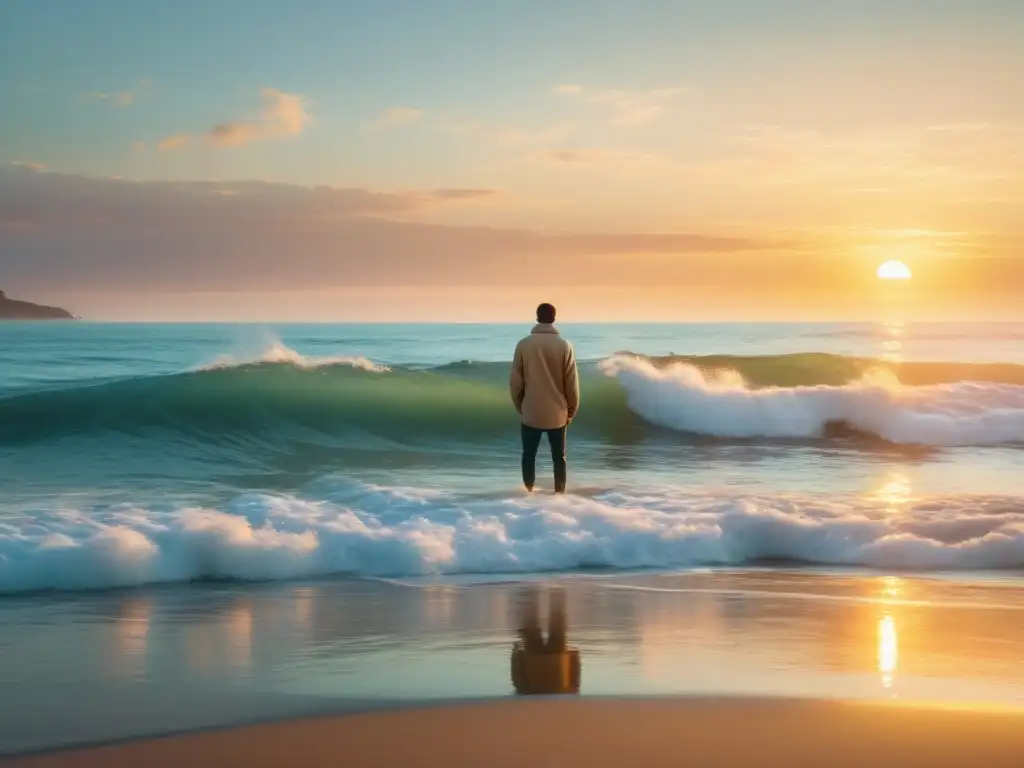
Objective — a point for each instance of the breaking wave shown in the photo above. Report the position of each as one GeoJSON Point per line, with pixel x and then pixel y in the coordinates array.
{"type": "Point", "coordinates": [281, 395]}
{"type": "Point", "coordinates": [337, 526]}
{"type": "Point", "coordinates": [683, 397]}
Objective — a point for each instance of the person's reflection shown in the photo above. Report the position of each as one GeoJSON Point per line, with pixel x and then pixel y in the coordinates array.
{"type": "Point", "coordinates": [539, 665]}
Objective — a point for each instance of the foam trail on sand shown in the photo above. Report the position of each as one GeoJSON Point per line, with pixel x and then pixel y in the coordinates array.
{"type": "Point", "coordinates": [685, 398]}
{"type": "Point", "coordinates": [338, 526]}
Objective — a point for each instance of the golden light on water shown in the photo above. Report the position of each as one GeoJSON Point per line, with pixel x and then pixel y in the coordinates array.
{"type": "Point", "coordinates": [895, 491]}
{"type": "Point", "coordinates": [132, 627]}
{"type": "Point", "coordinates": [226, 638]}
{"type": "Point", "coordinates": [239, 627]}
{"type": "Point", "coordinates": [888, 649]}
{"type": "Point", "coordinates": [892, 341]}
{"type": "Point", "coordinates": [891, 587]}
{"type": "Point", "coordinates": [893, 270]}
{"type": "Point", "coordinates": [888, 636]}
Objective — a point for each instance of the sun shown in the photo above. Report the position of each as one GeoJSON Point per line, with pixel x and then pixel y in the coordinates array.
{"type": "Point", "coordinates": [893, 270]}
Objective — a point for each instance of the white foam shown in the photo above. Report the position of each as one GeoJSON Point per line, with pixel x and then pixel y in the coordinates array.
{"type": "Point", "coordinates": [276, 352]}
{"type": "Point", "coordinates": [343, 527]}
{"type": "Point", "coordinates": [684, 398]}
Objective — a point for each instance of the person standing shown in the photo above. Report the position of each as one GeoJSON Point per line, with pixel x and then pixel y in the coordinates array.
{"type": "Point", "coordinates": [546, 393]}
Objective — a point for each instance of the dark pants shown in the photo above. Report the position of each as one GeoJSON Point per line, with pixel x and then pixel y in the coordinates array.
{"type": "Point", "coordinates": [531, 442]}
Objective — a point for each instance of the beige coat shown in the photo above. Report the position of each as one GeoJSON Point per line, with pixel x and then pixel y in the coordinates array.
{"type": "Point", "coordinates": [545, 381]}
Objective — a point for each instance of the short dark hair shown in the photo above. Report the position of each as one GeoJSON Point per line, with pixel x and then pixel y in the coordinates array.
{"type": "Point", "coordinates": [546, 313]}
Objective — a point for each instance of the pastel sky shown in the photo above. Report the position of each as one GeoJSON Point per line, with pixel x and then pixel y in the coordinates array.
{"type": "Point", "coordinates": [463, 160]}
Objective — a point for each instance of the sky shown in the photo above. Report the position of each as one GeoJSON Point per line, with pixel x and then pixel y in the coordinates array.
{"type": "Point", "coordinates": [406, 160]}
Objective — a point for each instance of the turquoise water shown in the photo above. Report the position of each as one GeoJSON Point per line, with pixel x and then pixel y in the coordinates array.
{"type": "Point", "coordinates": [133, 454]}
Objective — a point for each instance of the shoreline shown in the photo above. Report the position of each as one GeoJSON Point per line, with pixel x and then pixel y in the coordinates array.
{"type": "Point", "coordinates": [102, 667]}
{"type": "Point", "coordinates": [647, 731]}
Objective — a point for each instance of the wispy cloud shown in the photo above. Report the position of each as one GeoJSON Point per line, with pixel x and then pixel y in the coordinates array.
{"type": "Point", "coordinates": [177, 141]}
{"type": "Point", "coordinates": [119, 99]}
{"type": "Point", "coordinates": [246, 235]}
{"type": "Point", "coordinates": [234, 134]}
{"type": "Point", "coordinates": [123, 98]}
{"type": "Point", "coordinates": [283, 115]}
{"type": "Point", "coordinates": [462, 193]}
{"type": "Point", "coordinates": [625, 107]}
{"type": "Point", "coordinates": [606, 159]}
{"type": "Point", "coordinates": [268, 199]}
{"type": "Point", "coordinates": [451, 196]}
{"type": "Point", "coordinates": [396, 116]}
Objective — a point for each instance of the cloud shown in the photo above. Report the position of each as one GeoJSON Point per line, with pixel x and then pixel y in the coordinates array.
{"type": "Point", "coordinates": [177, 141]}
{"type": "Point", "coordinates": [626, 107]}
{"type": "Point", "coordinates": [234, 134]}
{"type": "Point", "coordinates": [462, 194]}
{"type": "Point", "coordinates": [616, 160]}
{"type": "Point", "coordinates": [119, 99]}
{"type": "Point", "coordinates": [69, 236]}
{"type": "Point", "coordinates": [59, 199]}
{"type": "Point", "coordinates": [568, 156]}
{"type": "Point", "coordinates": [80, 233]}
{"type": "Point", "coordinates": [396, 116]}
{"type": "Point", "coordinates": [15, 225]}
{"type": "Point", "coordinates": [283, 115]}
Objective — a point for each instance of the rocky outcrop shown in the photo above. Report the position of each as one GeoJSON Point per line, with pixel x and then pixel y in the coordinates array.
{"type": "Point", "coordinates": [25, 310]}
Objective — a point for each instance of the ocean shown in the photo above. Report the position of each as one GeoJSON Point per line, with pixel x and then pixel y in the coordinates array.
{"type": "Point", "coordinates": [135, 454]}
{"type": "Point", "coordinates": [301, 511]}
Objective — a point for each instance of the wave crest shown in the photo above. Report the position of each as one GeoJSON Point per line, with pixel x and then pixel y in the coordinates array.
{"type": "Point", "coordinates": [280, 395]}
{"type": "Point", "coordinates": [277, 353]}
{"type": "Point", "coordinates": [683, 397]}
{"type": "Point", "coordinates": [341, 527]}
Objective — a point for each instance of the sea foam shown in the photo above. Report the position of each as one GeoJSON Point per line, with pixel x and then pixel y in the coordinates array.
{"type": "Point", "coordinates": [275, 352]}
{"type": "Point", "coordinates": [338, 526]}
{"type": "Point", "coordinates": [685, 398]}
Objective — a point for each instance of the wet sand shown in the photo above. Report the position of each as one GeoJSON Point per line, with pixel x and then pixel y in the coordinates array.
{"type": "Point", "coordinates": [592, 732]}
{"type": "Point", "coordinates": [105, 667]}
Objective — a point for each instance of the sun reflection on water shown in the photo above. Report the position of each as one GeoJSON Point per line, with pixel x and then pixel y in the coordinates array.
{"type": "Point", "coordinates": [888, 649]}
{"type": "Point", "coordinates": [894, 492]}
{"type": "Point", "coordinates": [892, 341]}
{"type": "Point", "coordinates": [132, 638]}
{"type": "Point", "coordinates": [888, 634]}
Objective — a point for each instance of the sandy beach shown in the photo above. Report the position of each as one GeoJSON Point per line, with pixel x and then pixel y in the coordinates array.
{"type": "Point", "coordinates": [563, 732]}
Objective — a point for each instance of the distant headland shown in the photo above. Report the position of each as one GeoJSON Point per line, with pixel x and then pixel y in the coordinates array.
{"type": "Point", "coordinates": [26, 310]}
